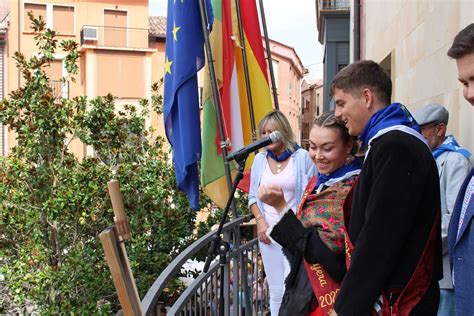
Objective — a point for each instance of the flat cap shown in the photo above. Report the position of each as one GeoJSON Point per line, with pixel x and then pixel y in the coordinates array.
{"type": "Point", "coordinates": [431, 113]}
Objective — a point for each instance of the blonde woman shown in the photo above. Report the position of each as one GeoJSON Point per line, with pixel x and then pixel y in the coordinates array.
{"type": "Point", "coordinates": [287, 165]}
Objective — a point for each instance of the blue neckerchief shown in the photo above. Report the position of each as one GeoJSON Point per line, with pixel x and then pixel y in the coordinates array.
{"type": "Point", "coordinates": [286, 154]}
{"type": "Point", "coordinates": [450, 144]}
{"type": "Point", "coordinates": [394, 114]}
{"type": "Point", "coordinates": [356, 164]}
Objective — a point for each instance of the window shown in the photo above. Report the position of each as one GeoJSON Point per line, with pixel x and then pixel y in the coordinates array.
{"type": "Point", "coordinates": [55, 73]}
{"type": "Point", "coordinates": [60, 18]}
{"type": "Point", "coordinates": [114, 70]}
{"type": "Point", "coordinates": [115, 28]}
{"type": "Point", "coordinates": [342, 55]}
{"type": "Point", "coordinates": [37, 10]}
{"type": "Point", "coordinates": [55, 69]}
{"type": "Point", "coordinates": [340, 66]}
{"type": "Point", "coordinates": [63, 19]}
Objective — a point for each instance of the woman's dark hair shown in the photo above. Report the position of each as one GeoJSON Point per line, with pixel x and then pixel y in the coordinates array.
{"type": "Point", "coordinates": [329, 120]}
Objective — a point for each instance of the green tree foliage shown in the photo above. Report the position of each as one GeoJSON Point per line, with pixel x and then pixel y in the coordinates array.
{"type": "Point", "coordinates": [53, 206]}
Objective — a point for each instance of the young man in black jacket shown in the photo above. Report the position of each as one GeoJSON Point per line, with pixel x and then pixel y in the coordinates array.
{"type": "Point", "coordinates": [394, 222]}
{"type": "Point", "coordinates": [461, 227]}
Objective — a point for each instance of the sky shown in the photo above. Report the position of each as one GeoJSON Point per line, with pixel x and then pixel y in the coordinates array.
{"type": "Point", "coordinates": [291, 24]}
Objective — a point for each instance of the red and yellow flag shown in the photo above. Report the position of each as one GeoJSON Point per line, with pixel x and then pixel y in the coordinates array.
{"type": "Point", "coordinates": [227, 53]}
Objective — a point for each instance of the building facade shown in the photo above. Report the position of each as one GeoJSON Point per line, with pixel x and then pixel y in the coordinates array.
{"type": "Point", "coordinates": [410, 39]}
{"type": "Point", "coordinates": [333, 21]}
{"type": "Point", "coordinates": [122, 53]}
{"type": "Point", "coordinates": [118, 54]}
{"type": "Point", "coordinates": [311, 107]}
{"type": "Point", "coordinates": [158, 43]}
{"type": "Point", "coordinates": [288, 72]}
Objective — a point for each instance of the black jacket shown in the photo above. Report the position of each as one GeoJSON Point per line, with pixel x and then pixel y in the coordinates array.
{"type": "Point", "coordinates": [299, 242]}
{"type": "Point", "coordinates": [394, 207]}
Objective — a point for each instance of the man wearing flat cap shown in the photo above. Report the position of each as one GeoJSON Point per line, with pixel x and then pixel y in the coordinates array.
{"type": "Point", "coordinates": [453, 166]}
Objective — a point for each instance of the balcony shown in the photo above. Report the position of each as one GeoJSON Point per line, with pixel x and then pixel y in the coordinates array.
{"type": "Point", "coordinates": [60, 89]}
{"type": "Point", "coordinates": [114, 37]}
{"type": "Point", "coordinates": [330, 5]}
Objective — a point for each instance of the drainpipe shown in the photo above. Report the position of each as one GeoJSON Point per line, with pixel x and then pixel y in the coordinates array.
{"type": "Point", "coordinates": [19, 42]}
{"type": "Point", "coordinates": [356, 30]}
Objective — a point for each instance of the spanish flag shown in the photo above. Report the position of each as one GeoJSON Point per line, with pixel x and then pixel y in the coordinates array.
{"type": "Point", "coordinates": [227, 52]}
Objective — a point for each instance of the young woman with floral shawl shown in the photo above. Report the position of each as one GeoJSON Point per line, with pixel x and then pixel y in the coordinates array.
{"type": "Point", "coordinates": [313, 237]}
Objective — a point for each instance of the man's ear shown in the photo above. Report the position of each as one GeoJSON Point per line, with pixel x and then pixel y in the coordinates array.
{"type": "Point", "coordinates": [368, 96]}
{"type": "Point", "coordinates": [441, 131]}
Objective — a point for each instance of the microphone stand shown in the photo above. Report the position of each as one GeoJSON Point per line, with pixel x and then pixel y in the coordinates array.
{"type": "Point", "coordinates": [220, 245]}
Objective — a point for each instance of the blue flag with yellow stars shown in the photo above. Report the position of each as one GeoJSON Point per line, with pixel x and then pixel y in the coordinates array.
{"type": "Point", "coordinates": [184, 57]}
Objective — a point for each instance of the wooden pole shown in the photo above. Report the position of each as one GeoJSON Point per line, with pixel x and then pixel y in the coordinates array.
{"type": "Point", "coordinates": [120, 219]}
{"type": "Point", "coordinates": [122, 276]}
{"type": "Point", "coordinates": [112, 240]}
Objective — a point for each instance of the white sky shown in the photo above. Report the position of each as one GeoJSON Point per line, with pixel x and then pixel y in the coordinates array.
{"type": "Point", "coordinates": [292, 23]}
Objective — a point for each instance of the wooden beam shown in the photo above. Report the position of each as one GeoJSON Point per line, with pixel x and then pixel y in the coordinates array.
{"type": "Point", "coordinates": [122, 275]}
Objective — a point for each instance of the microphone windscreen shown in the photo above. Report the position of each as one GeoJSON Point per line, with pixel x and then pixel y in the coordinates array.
{"type": "Point", "coordinates": [276, 136]}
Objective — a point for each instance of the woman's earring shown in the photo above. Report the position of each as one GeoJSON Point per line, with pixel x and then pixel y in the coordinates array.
{"type": "Point", "coordinates": [349, 159]}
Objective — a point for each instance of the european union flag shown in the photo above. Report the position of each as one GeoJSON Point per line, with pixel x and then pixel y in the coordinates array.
{"type": "Point", "coordinates": [184, 57]}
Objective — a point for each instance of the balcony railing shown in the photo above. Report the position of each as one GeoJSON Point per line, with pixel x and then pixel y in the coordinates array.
{"type": "Point", "coordinates": [324, 7]}
{"type": "Point", "coordinates": [245, 291]}
{"type": "Point", "coordinates": [4, 12]}
{"type": "Point", "coordinates": [116, 37]}
{"type": "Point", "coordinates": [334, 4]}
{"type": "Point", "coordinates": [60, 88]}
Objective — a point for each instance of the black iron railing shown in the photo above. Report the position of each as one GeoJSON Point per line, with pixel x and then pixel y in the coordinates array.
{"type": "Point", "coordinates": [245, 290]}
{"type": "Point", "coordinates": [60, 88]}
{"type": "Point", "coordinates": [334, 5]}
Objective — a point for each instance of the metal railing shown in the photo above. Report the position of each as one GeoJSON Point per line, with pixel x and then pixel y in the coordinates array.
{"type": "Point", "coordinates": [4, 11]}
{"type": "Point", "coordinates": [334, 5]}
{"type": "Point", "coordinates": [116, 37]}
{"type": "Point", "coordinates": [60, 88]}
{"type": "Point", "coordinates": [245, 290]}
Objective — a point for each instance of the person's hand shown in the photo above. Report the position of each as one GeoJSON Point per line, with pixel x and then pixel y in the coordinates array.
{"type": "Point", "coordinates": [332, 312]}
{"type": "Point", "coordinates": [262, 227]}
{"type": "Point", "coordinates": [273, 196]}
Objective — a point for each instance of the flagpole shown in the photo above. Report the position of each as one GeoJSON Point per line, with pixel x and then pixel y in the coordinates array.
{"type": "Point", "coordinates": [269, 56]}
{"type": "Point", "coordinates": [246, 71]}
{"type": "Point", "coordinates": [216, 100]}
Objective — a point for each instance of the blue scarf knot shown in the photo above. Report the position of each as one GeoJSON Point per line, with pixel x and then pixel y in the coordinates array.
{"type": "Point", "coordinates": [356, 164]}
{"type": "Point", "coordinates": [450, 144]}
{"type": "Point", "coordinates": [284, 156]}
{"type": "Point", "coordinates": [394, 114]}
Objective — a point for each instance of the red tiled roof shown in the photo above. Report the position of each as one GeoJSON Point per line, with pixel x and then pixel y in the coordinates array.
{"type": "Point", "coordinates": [157, 26]}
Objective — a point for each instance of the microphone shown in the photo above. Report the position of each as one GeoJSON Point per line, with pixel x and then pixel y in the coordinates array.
{"type": "Point", "coordinates": [244, 152]}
